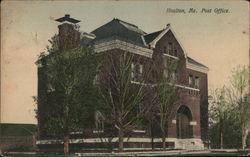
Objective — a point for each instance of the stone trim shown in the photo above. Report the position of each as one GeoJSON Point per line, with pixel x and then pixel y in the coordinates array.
{"type": "Point", "coordinates": [88, 35]}
{"type": "Point", "coordinates": [186, 87]}
{"type": "Point", "coordinates": [196, 68]}
{"type": "Point", "coordinates": [189, 144]}
{"type": "Point", "coordinates": [75, 133]}
{"type": "Point", "coordinates": [98, 131]}
{"type": "Point", "coordinates": [152, 85]}
{"type": "Point", "coordinates": [193, 123]}
{"type": "Point", "coordinates": [138, 131]}
{"type": "Point", "coordinates": [98, 140]}
{"type": "Point", "coordinates": [144, 42]}
{"type": "Point", "coordinates": [118, 44]}
{"type": "Point", "coordinates": [167, 55]}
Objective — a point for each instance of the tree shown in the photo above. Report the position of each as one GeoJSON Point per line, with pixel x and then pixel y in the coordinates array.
{"type": "Point", "coordinates": [220, 110]}
{"type": "Point", "coordinates": [70, 75]}
{"type": "Point", "coordinates": [230, 106]}
{"type": "Point", "coordinates": [239, 97]}
{"type": "Point", "coordinates": [245, 110]}
{"type": "Point", "coordinates": [122, 97]}
{"type": "Point", "coordinates": [231, 134]}
{"type": "Point", "coordinates": [166, 93]}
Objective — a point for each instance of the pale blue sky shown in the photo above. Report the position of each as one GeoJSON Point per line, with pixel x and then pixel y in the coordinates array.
{"type": "Point", "coordinates": [220, 41]}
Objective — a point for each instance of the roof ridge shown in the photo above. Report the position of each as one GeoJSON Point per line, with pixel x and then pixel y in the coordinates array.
{"type": "Point", "coordinates": [154, 32]}
{"type": "Point", "coordinates": [126, 22]}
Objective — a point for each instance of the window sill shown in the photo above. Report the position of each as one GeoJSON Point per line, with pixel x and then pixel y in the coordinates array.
{"type": "Point", "coordinates": [139, 131]}
{"type": "Point", "coordinates": [98, 131]}
{"type": "Point", "coordinates": [167, 55]}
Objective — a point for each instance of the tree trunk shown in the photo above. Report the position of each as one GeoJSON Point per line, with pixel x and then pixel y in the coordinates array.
{"type": "Point", "coordinates": [152, 135]}
{"type": "Point", "coordinates": [66, 145]}
{"type": "Point", "coordinates": [221, 135]}
{"type": "Point", "coordinates": [66, 133]}
{"type": "Point", "coordinates": [120, 136]}
{"type": "Point", "coordinates": [164, 140]}
{"type": "Point", "coordinates": [244, 137]}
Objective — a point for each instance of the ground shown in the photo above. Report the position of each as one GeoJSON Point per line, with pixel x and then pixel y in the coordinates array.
{"type": "Point", "coordinates": [212, 152]}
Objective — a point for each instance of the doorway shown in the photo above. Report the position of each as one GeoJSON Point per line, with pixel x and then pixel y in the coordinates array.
{"type": "Point", "coordinates": [184, 117]}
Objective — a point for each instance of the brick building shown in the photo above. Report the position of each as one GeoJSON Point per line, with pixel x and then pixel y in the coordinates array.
{"type": "Point", "coordinates": [189, 116]}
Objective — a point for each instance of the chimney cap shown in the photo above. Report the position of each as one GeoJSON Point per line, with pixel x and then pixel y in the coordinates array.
{"type": "Point", "coordinates": [67, 18]}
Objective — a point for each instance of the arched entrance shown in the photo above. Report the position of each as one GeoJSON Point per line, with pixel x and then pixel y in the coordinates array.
{"type": "Point", "coordinates": [184, 117]}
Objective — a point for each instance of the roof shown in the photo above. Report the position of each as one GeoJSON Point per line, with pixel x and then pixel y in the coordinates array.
{"type": "Point", "coordinates": [118, 29]}
{"type": "Point", "coordinates": [150, 37]}
{"type": "Point", "coordinates": [192, 61]}
{"type": "Point", "coordinates": [131, 27]}
{"type": "Point", "coordinates": [67, 18]}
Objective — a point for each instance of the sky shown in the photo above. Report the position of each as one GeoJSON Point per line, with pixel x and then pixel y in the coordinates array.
{"type": "Point", "coordinates": [219, 41]}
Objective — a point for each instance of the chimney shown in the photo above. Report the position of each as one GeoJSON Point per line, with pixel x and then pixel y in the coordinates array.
{"type": "Point", "coordinates": [69, 36]}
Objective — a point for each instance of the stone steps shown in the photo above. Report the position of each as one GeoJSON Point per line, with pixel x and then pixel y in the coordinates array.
{"type": "Point", "coordinates": [189, 144]}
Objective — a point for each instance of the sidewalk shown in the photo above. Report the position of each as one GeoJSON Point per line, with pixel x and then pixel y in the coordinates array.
{"type": "Point", "coordinates": [145, 153]}
{"type": "Point", "coordinates": [212, 152]}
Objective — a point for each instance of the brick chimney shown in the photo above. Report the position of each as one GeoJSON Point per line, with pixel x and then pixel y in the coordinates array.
{"type": "Point", "coordinates": [69, 36]}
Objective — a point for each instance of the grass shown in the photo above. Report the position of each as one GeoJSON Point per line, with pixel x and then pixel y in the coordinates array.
{"type": "Point", "coordinates": [17, 129]}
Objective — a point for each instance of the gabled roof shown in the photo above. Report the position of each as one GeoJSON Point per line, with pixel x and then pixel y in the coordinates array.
{"type": "Point", "coordinates": [150, 37]}
{"type": "Point", "coordinates": [130, 33]}
{"type": "Point", "coordinates": [192, 61]}
{"type": "Point", "coordinates": [118, 29]}
{"type": "Point", "coordinates": [154, 37]}
{"type": "Point", "coordinates": [131, 27]}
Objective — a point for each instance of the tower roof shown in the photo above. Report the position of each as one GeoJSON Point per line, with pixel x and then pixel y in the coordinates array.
{"type": "Point", "coordinates": [118, 29]}
{"type": "Point", "coordinates": [67, 18]}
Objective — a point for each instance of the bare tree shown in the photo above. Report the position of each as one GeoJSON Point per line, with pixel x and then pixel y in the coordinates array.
{"type": "Point", "coordinates": [166, 92]}
{"type": "Point", "coordinates": [123, 89]}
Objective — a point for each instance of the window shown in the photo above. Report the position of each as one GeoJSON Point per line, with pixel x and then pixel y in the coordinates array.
{"type": "Point", "coordinates": [191, 81]}
{"type": "Point", "coordinates": [173, 77]}
{"type": "Point", "coordinates": [139, 109]}
{"type": "Point", "coordinates": [165, 72]}
{"type": "Point", "coordinates": [165, 49]}
{"type": "Point", "coordinates": [136, 72]}
{"type": "Point", "coordinates": [138, 127]}
{"type": "Point", "coordinates": [170, 48]}
{"type": "Point", "coordinates": [140, 72]}
{"type": "Point", "coordinates": [175, 52]}
{"type": "Point", "coordinates": [197, 82]}
{"type": "Point", "coordinates": [132, 72]}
